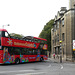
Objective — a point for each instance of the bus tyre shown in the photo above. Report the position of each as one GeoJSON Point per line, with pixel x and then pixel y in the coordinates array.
{"type": "Point", "coordinates": [17, 61]}
{"type": "Point", "coordinates": [41, 59]}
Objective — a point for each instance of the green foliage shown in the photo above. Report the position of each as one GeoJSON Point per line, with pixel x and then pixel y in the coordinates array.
{"type": "Point", "coordinates": [16, 35]}
{"type": "Point", "coordinates": [46, 33]}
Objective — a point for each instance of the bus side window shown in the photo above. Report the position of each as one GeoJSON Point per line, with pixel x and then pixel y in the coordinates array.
{"type": "Point", "coordinates": [6, 34]}
{"type": "Point", "coordinates": [34, 52]}
{"type": "Point", "coordinates": [11, 50]}
{"type": "Point", "coordinates": [17, 51]}
{"type": "Point", "coordinates": [23, 51]}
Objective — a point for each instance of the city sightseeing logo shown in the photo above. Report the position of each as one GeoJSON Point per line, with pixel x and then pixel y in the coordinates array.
{"type": "Point", "coordinates": [10, 42]}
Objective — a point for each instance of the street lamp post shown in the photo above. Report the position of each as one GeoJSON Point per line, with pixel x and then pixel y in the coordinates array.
{"type": "Point", "coordinates": [5, 25]}
{"type": "Point", "coordinates": [60, 51]}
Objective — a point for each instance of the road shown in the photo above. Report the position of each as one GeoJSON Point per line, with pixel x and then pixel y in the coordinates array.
{"type": "Point", "coordinates": [38, 68]}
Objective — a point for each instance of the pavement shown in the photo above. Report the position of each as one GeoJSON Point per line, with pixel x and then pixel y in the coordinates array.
{"type": "Point", "coordinates": [56, 60]}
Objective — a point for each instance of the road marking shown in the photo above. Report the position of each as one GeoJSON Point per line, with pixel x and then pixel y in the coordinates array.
{"type": "Point", "coordinates": [49, 66]}
{"type": "Point", "coordinates": [16, 71]}
{"type": "Point", "coordinates": [32, 73]}
{"type": "Point", "coordinates": [61, 66]}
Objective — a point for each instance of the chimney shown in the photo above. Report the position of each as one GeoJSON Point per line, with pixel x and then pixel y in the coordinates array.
{"type": "Point", "coordinates": [62, 10]}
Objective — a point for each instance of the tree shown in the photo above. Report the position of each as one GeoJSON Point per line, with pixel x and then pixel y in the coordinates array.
{"type": "Point", "coordinates": [46, 33]}
{"type": "Point", "coordinates": [16, 35]}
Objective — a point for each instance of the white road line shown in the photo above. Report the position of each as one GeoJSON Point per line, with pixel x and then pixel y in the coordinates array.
{"type": "Point", "coordinates": [32, 73]}
{"type": "Point", "coordinates": [61, 66]}
{"type": "Point", "coordinates": [49, 66]}
{"type": "Point", "coordinates": [16, 71]}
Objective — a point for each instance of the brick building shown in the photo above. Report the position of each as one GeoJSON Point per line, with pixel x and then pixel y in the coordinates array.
{"type": "Point", "coordinates": [64, 30]}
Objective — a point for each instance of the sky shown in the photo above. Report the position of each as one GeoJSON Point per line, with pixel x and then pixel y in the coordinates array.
{"type": "Point", "coordinates": [28, 17]}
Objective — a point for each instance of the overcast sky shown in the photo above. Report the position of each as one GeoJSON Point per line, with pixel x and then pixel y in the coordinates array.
{"type": "Point", "coordinates": [28, 17]}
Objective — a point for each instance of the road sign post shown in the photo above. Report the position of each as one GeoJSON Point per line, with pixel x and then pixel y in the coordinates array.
{"type": "Point", "coordinates": [60, 51]}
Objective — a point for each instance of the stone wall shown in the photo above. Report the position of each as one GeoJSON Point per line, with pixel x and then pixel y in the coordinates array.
{"type": "Point", "coordinates": [71, 3]}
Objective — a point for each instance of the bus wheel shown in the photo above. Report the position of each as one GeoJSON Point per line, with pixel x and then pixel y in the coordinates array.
{"type": "Point", "coordinates": [17, 61]}
{"type": "Point", "coordinates": [41, 59]}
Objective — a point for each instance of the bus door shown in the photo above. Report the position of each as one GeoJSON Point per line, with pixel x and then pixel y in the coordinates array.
{"type": "Point", "coordinates": [24, 55]}
{"type": "Point", "coordinates": [1, 51]}
{"type": "Point", "coordinates": [1, 56]}
{"type": "Point", "coordinates": [24, 58]}
{"type": "Point", "coordinates": [32, 56]}
{"type": "Point", "coordinates": [38, 55]}
{"type": "Point", "coordinates": [5, 55]}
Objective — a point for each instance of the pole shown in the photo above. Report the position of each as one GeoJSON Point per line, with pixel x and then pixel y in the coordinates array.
{"type": "Point", "coordinates": [5, 25]}
{"type": "Point", "coordinates": [60, 52]}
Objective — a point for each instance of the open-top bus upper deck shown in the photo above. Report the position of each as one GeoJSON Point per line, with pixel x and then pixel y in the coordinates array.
{"type": "Point", "coordinates": [14, 49]}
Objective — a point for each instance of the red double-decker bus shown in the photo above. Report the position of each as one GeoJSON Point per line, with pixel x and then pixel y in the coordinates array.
{"type": "Point", "coordinates": [18, 50]}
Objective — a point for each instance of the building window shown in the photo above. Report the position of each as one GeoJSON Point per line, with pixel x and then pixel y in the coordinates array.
{"type": "Point", "coordinates": [57, 25]}
{"type": "Point", "coordinates": [63, 22]}
{"type": "Point", "coordinates": [58, 37]}
{"type": "Point", "coordinates": [53, 41]}
{"type": "Point", "coordinates": [58, 50]}
{"type": "Point", "coordinates": [63, 36]}
{"type": "Point", "coordinates": [63, 52]}
{"type": "Point", "coordinates": [55, 28]}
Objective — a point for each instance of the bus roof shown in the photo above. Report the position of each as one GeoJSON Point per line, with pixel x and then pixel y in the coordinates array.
{"type": "Point", "coordinates": [40, 38]}
{"type": "Point", "coordinates": [3, 30]}
{"type": "Point", "coordinates": [30, 36]}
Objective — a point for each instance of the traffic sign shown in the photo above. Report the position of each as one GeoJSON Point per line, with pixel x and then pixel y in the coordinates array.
{"type": "Point", "coordinates": [73, 45]}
